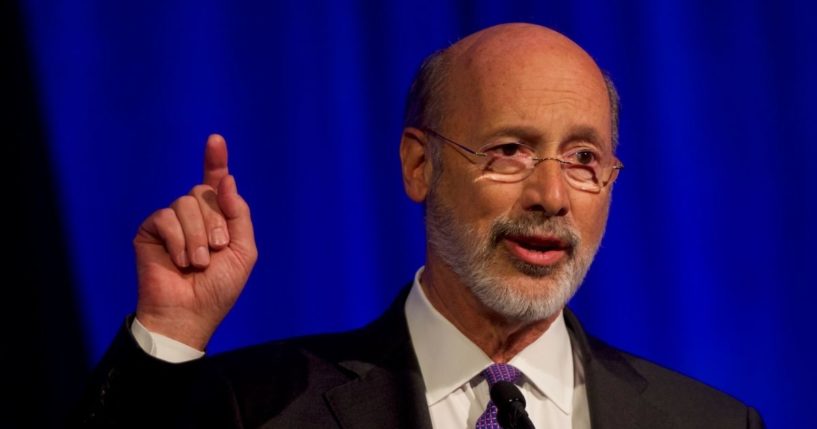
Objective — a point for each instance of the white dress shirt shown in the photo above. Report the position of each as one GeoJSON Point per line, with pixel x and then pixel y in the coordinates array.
{"type": "Point", "coordinates": [456, 392]}
{"type": "Point", "coordinates": [162, 347]}
{"type": "Point", "coordinates": [451, 366]}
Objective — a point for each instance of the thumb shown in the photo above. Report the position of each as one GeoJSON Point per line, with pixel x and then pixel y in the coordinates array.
{"type": "Point", "coordinates": [215, 160]}
{"type": "Point", "coordinates": [236, 212]}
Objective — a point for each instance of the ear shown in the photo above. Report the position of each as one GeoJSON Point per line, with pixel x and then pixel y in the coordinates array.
{"type": "Point", "coordinates": [415, 163]}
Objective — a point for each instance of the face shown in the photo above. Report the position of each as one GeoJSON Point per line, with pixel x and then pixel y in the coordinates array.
{"type": "Point", "coordinates": [522, 248]}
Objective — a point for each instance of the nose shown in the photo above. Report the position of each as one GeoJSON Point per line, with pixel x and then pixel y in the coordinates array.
{"type": "Point", "coordinates": [545, 190]}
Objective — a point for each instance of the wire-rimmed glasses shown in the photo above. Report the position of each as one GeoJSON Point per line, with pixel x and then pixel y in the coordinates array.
{"type": "Point", "coordinates": [584, 168]}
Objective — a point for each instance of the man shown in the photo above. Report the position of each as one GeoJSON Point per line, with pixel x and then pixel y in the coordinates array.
{"type": "Point", "coordinates": [509, 142]}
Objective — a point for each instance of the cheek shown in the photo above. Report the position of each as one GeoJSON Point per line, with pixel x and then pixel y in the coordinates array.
{"type": "Point", "coordinates": [491, 200]}
{"type": "Point", "coordinates": [590, 216]}
{"type": "Point", "coordinates": [476, 201]}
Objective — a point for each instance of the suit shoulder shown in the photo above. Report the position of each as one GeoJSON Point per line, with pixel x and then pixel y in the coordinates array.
{"type": "Point", "coordinates": [669, 382]}
{"type": "Point", "coordinates": [686, 399]}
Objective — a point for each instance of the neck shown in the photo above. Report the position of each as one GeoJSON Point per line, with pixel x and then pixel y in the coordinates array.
{"type": "Point", "coordinates": [499, 337]}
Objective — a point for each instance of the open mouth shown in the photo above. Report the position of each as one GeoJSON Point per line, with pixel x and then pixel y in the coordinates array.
{"type": "Point", "coordinates": [537, 250]}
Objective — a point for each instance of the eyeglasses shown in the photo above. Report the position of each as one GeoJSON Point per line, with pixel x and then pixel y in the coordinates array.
{"type": "Point", "coordinates": [585, 169]}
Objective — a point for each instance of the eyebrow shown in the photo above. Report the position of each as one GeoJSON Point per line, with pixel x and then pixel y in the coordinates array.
{"type": "Point", "coordinates": [525, 133]}
{"type": "Point", "coordinates": [586, 133]}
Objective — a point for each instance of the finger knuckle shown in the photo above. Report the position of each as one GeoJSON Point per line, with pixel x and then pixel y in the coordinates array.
{"type": "Point", "coordinates": [243, 208]}
{"type": "Point", "coordinates": [184, 201]}
{"type": "Point", "coordinates": [201, 189]}
{"type": "Point", "coordinates": [164, 216]}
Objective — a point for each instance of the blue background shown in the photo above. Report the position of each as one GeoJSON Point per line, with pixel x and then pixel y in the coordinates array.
{"type": "Point", "coordinates": [707, 264]}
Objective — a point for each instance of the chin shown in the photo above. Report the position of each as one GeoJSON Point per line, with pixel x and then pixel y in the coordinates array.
{"type": "Point", "coordinates": [529, 295]}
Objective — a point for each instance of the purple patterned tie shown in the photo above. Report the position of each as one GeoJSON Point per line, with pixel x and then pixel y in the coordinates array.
{"type": "Point", "coordinates": [494, 373]}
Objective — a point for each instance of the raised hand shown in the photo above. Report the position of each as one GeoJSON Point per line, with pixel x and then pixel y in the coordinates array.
{"type": "Point", "coordinates": [194, 257]}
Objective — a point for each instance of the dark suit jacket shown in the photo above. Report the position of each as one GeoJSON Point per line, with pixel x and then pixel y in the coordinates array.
{"type": "Point", "coordinates": [367, 378]}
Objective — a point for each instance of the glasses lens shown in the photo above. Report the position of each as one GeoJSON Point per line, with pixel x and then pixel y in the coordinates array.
{"type": "Point", "coordinates": [508, 166]}
{"type": "Point", "coordinates": [582, 177]}
{"type": "Point", "coordinates": [581, 173]}
{"type": "Point", "coordinates": [508, 158]}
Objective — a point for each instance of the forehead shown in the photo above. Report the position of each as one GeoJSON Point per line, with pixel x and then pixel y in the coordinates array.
{"type": "Point", "coordinates": [542, 86]}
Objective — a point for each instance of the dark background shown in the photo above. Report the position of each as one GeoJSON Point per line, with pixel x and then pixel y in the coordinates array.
{"type": "Point", "coordinates": [708, 262]}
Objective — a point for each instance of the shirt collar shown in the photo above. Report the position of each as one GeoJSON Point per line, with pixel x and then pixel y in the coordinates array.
{"type": "Point", "coordinates": [547, 362]}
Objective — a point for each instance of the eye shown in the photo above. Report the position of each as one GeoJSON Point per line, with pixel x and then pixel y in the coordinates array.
{"type": "Point", "coordinates": [585, 157]}
{"type": "Point", "coordinates": [509, 150]}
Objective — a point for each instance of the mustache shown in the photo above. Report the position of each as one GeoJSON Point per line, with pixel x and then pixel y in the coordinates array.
{"type": "Point", "coordinates": [534, 224]}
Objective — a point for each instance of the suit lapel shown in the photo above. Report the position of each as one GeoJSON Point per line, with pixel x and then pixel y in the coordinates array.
{"type": "Point", "coordinates": [388, 390]}
{"type": "Point", "coordinates": [616, 402]}
{"type": "Point", "coordinates": [614, 387]}
{"type": "Point", "coordinates": [381, 399]}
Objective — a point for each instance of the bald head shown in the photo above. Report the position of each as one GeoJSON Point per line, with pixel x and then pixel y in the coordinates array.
{"type": "Point", "coordinates": [510, 60]}
{"type": "Point", "coordinates": [514, 41]}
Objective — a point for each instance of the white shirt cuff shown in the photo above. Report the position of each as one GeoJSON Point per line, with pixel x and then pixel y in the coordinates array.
{"type": "Point", "coordinates": [162, 347]}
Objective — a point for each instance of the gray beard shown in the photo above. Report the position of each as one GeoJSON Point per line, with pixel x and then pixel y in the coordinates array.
{"type": "Point", "coordinates": [476, 261]}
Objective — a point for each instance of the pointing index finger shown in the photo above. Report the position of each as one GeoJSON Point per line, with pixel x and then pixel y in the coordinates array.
{"type": "Point", "coordinates": [215, 160]}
